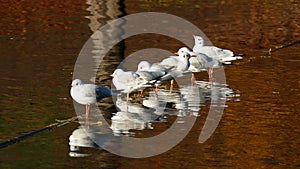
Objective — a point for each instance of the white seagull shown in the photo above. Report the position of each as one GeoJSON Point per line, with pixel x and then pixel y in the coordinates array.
{"type": "Point", "coordinates": [177, 65]}
{"type": "Point", "coordinates": [127, 81]}
{"type": "Point", "coordinates": [87, 94]}
{"type": "Point", "coordinates": [223, 55]}
{"type": "Point", "coordinates": [149, 71]}
{"type": "Point", "coordinates": [201, 62]}
{"type": "Point", "coordinates": [147, 66]}
{"type": "Point", "coordinates": [180, 62]}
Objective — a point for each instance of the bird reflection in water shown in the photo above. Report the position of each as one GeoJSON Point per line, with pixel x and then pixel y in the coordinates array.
{"type": "Point", "coordinates": [156, 107]}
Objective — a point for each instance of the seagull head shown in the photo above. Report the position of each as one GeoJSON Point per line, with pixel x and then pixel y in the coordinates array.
{"type": "Point", "coordinates": [144, 66]}
{"type": "Point", "coordinates": [198, 40]}
{"type": "Point", "coordinates": [117, 72]}
{"type": "Point", "coordinates": [185, 52]}
{"type": "Point", "coordinates": [76, 82]}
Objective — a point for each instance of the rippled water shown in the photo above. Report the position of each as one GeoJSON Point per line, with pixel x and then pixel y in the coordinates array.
{"type": "Point", "coordinates": [41, 40]}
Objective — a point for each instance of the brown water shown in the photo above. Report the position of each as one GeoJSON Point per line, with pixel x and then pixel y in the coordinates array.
{"type": "Point", "coordinates": [40, 41]}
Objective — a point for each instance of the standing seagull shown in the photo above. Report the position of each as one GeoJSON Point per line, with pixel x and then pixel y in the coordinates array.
{"type": "Point", "coordinates": [88, 94]}
{"type": "Point", "coordinates": [201, 62]}
{"type": "Point", "coordinates": [153, 68]}
{"type": "Point", "coordinates": [151, 72]}
{"type": "Point", "coordinates": [177, 65]}
{"type": "Point", "coordinates": [127, 81]}
{"type": "Point", "coordinates": [223, 55]}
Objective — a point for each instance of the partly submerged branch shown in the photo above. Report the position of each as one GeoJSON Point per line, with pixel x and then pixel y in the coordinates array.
{"type": "Point", "coordinates": [283, 46]}
{"type": "Point", "coordinates": [32, 133]}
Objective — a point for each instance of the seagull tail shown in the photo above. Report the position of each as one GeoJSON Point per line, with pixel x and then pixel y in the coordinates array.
{"type": "Point", "coordinates": [116, 92]}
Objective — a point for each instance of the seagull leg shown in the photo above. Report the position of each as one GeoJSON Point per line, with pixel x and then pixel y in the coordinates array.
{"type": "Point", "coordinates": [87, 112]}
{"type": "Point", "coordinates": [211, 71]}
{"type": "Point", "coordinates": [127, 99]}
{"type": "Point", "coordinates": [193, 79]}
{"type": "Point", "coordinates": [171, 87]}
{"type": "Point", "coordinates": [210, 74]}
{"type": "Point", "coordinates": [140, 93]}
{"type": "Point", "coordinates": [156, 89]}
{"type": "Point", "coordinates": [140, 96]}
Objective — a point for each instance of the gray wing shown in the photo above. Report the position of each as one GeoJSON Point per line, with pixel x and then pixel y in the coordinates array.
{"type": "Point", "coordinates": [148, 76]}
{"type": "Point", "coordinates": [169, 62]}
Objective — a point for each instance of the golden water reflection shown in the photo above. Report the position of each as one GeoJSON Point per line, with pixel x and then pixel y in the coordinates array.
{"type": "Point", "coordinates": [40, 41]}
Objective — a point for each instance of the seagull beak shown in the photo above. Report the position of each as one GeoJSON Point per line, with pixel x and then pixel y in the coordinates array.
{"type": "Point", "coordinates": [192, 54]}
{"type": "Point", "coordinates": [112, 75]}
{"type": "Point", "coordinates": [176, 53]}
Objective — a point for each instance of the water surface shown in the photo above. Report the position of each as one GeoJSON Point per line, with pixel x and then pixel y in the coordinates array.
{"type": "Point", "coordinates": [40, 41]}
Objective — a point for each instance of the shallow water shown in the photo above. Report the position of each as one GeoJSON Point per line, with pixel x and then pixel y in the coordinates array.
{"type": "Point", "coordinates": [41, 40]}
